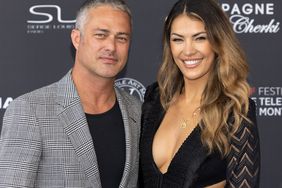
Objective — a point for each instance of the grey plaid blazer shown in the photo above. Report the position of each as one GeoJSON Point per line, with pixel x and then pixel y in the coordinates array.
{"type": "Point", "coordinates": [45, 140]}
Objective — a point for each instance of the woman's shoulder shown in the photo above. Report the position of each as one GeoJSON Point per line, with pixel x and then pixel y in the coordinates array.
{"type": "Point", "coordinates": [251, 115]}
{"type": "Point", "coordinates": [247, 132]}
{"type": "Point", "coordinates": [252, 110]}
{"type": "Point", "coordinates": [152, 92]}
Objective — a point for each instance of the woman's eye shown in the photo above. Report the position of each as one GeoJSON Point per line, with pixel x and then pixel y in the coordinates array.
{"type": "Point", "coordinates": [201, 38]}
{"type": "Point", "coordinates": [176, 39]}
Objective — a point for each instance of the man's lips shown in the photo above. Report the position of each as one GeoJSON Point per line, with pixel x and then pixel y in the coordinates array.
{"type": "Point", "coordinates": [109, 59]}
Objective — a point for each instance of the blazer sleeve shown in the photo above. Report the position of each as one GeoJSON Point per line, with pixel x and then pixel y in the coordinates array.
{"type": "Point", "coordinates": [20, 146]}
{"type": "Point", "coordinates": [243, 161]}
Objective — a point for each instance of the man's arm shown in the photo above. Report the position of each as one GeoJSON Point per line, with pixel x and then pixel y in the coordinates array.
{"type": "Point", "coordinates": [20, 146]}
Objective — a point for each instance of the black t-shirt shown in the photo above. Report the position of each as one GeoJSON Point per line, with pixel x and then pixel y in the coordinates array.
{"type": "Point", "coordinates": [108, 136]}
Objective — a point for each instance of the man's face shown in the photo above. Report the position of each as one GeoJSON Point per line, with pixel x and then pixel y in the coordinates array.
{"type": "Point", "coordinates": [102, 45]}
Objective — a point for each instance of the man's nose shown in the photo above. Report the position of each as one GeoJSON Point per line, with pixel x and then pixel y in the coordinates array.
{"type": "Point", "coordinates": [110, 43]}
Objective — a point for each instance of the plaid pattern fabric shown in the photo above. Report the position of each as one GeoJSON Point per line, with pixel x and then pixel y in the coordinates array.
{"type": "Point", "coordinates": [45, 140]}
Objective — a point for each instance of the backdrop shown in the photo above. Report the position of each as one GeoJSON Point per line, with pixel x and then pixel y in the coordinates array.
{"type": "Point", "coordinates": [35, 50]}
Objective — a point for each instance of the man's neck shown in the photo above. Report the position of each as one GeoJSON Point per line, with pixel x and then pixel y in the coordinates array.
{"type": "Point", "coordinates": [96, 95]}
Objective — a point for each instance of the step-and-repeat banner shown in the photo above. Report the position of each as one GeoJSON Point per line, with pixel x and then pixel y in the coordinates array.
{"type": "Point", "coordinates": [35, 50]}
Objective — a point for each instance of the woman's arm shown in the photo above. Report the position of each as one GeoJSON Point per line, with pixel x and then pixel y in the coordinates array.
{"type": "Point", "coordinates": [243, 161]}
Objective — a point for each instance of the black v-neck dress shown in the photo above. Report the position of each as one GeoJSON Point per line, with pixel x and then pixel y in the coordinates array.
{"type": "Point", "coordinates": [192, 166]}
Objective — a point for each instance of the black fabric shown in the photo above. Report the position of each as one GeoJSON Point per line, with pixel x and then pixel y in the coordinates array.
{"type": "Point", "coordinates": [192, 166]}
{"type": "Point", "coordinates": [108, 135]}
{"type": "Point", "coordinates": [182, 169]}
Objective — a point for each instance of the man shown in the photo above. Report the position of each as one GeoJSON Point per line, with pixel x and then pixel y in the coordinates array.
{"type": "Point", "coordinates": [49, 135]}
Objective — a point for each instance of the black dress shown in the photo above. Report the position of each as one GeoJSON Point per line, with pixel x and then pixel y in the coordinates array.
{"type": "Point", "coordinates": [191, 165]}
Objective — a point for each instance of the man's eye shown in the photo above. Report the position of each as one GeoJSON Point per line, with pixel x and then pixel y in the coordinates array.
{"type": "Point", "coordinates": [100, 35]}
{"type": "Point", "coordinates": [122, 39]}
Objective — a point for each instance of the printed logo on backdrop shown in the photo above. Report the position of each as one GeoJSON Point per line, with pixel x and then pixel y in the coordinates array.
{"type": "Point", "coordinates": [268, 100]}
{"type": "Point", "coordinates": [245, 17]}
{"type": "Point", "coordinates": [4, 102]}
{"type": "Point", "coordinates": [132, 86]}
{"type": "Point", "coordinates": [45, 18]}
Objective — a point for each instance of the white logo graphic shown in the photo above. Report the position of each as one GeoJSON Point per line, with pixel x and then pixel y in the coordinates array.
{"type": "Point", "coordinates": [242, 23]}
{"type": "Point", "coordinates": [268, 100]}
{"type": "Point", "coordinates": [4, 103]}
{"type": "Point", "coordinates": [132, 86]}
{"type": "Point", "coordinates": [47, 18]}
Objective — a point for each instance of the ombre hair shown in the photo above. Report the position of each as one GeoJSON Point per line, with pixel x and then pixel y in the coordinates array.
{"type": "Point", "coordinates": [226, 93]}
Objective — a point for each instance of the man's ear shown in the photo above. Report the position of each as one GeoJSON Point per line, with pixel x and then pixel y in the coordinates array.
{"type": "Point", "coordinates": [75, 37]}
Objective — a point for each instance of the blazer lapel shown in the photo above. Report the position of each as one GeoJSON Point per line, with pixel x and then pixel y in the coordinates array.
{"type": "Point", "coordinates": [131, 135]}
{"type": "Point", "coordinates": [72, 117]}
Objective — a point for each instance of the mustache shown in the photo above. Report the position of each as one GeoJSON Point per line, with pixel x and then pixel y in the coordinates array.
{"type": "Point", "coordinates": [109, 54]}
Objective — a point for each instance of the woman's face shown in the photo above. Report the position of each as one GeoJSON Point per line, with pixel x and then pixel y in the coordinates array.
{"type": "Point", "coordinates": [191, 49]}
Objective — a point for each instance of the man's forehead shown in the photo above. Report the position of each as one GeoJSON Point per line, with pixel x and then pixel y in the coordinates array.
{"type": "Point", "coordinates": [104, 30]}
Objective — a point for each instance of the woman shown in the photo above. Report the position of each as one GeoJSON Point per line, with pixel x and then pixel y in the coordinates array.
{"type": "Point", "coordinates": [198, 124]}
